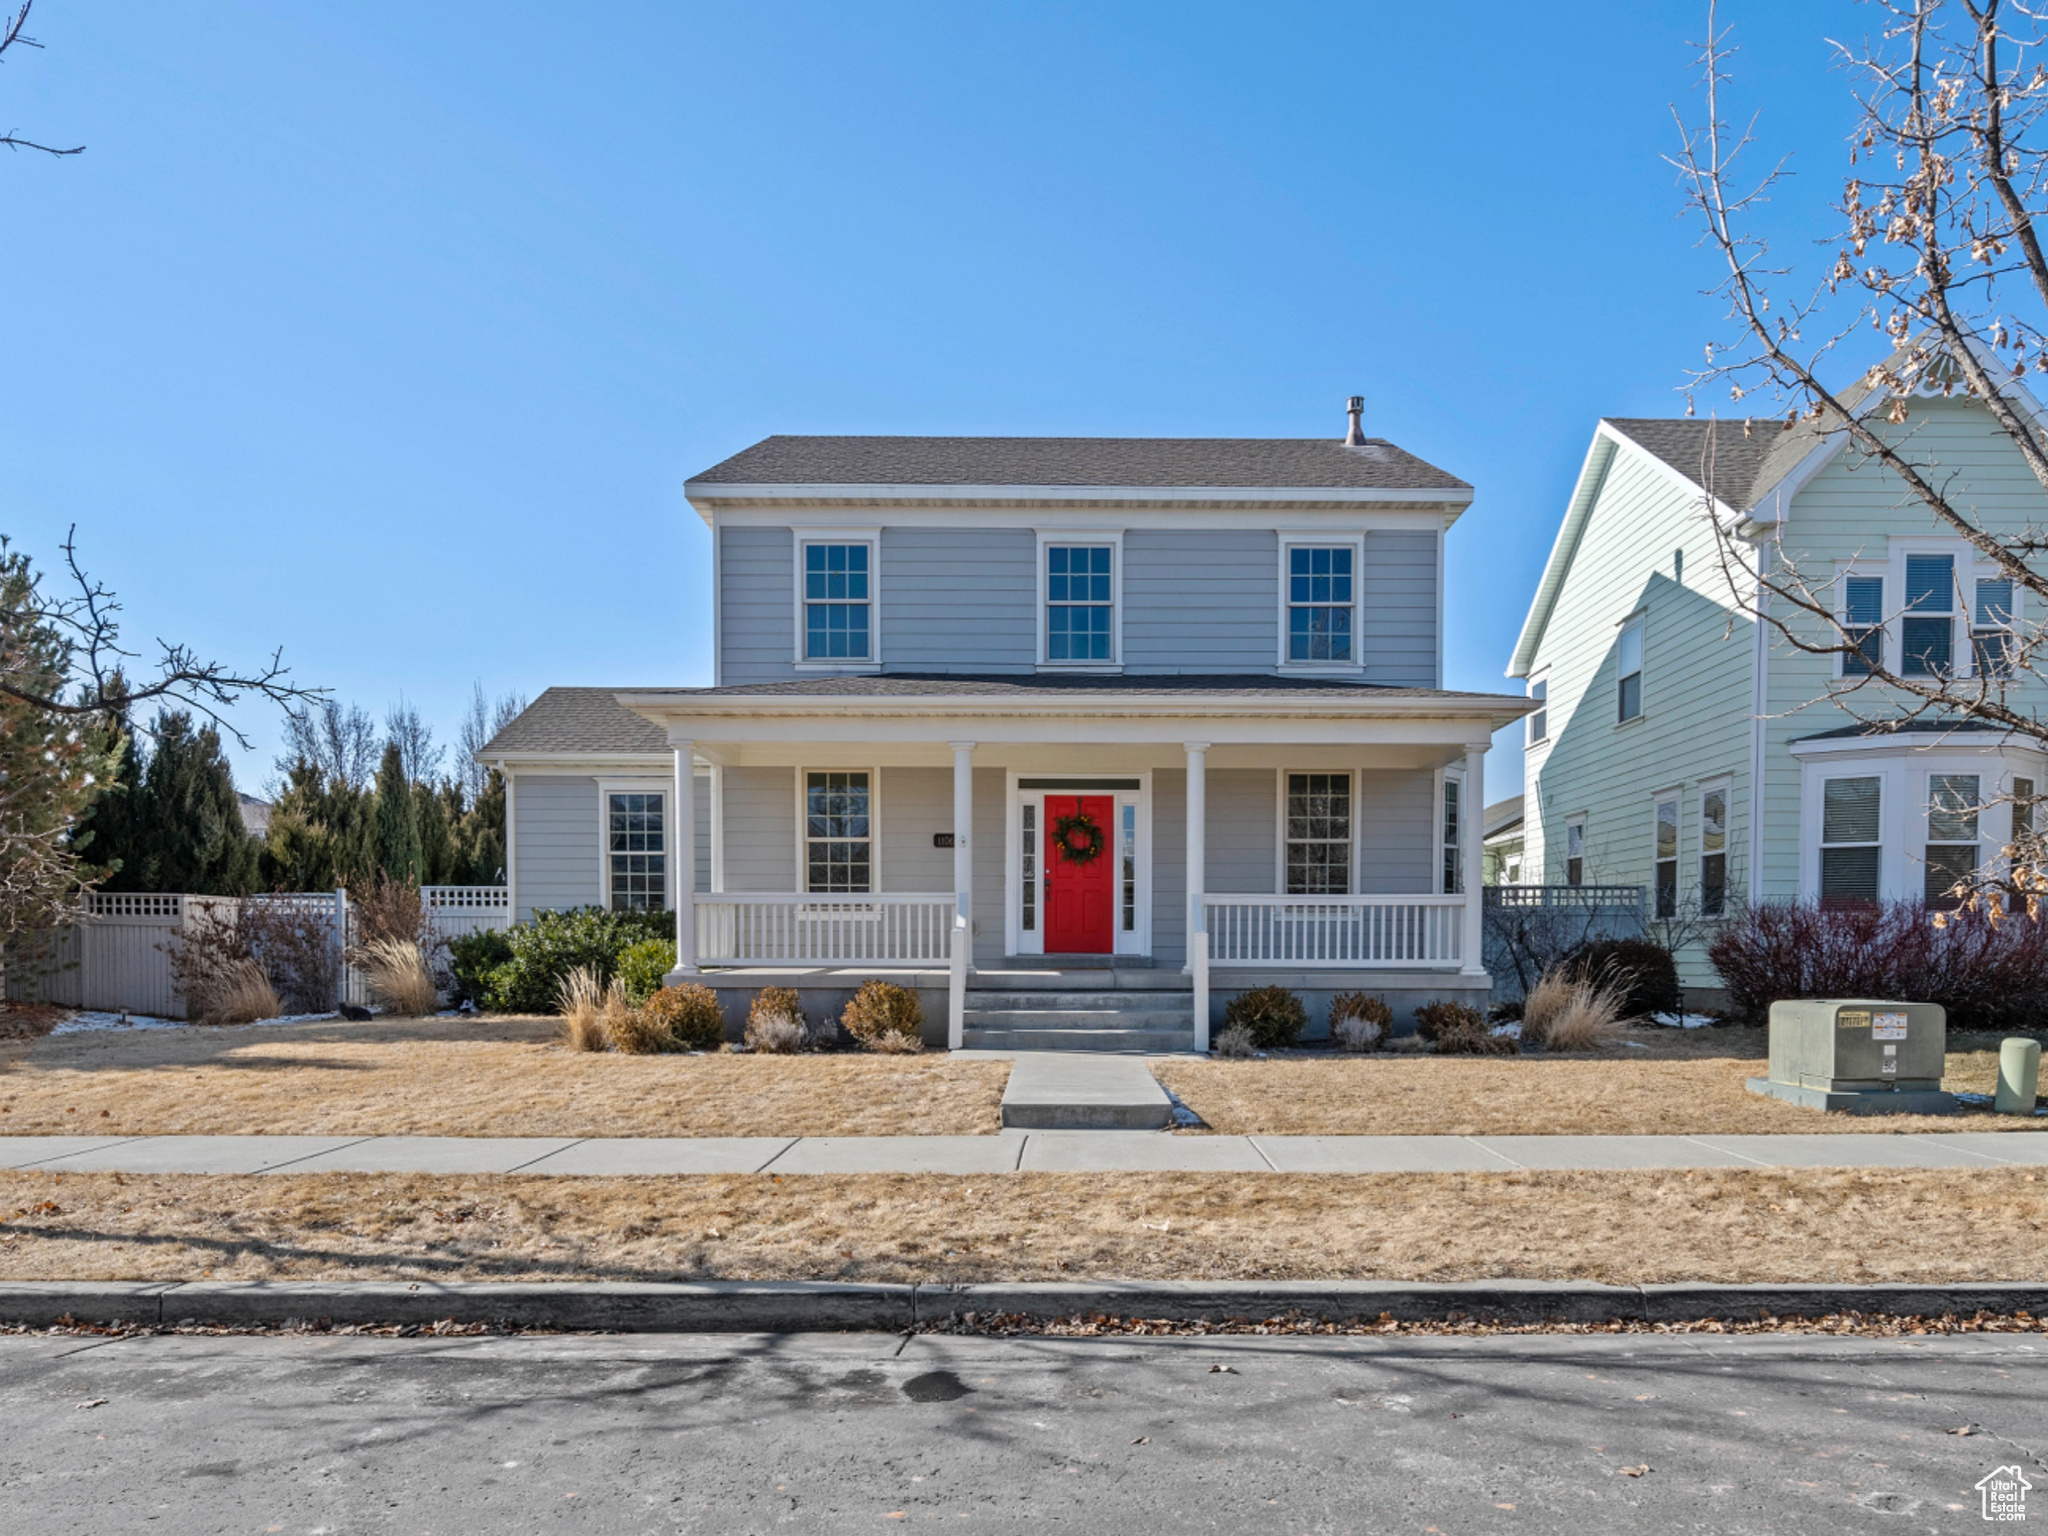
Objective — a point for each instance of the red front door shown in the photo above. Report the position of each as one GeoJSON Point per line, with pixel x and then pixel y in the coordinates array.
{"type": "Point", "coordinates": [1080, 890]}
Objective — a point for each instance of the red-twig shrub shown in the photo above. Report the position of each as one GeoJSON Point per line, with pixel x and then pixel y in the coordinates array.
{"type": "Point", "coordinates": [1989, 976]}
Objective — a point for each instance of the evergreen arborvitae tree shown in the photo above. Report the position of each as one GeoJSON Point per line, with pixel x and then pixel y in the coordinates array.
{"type": "Point", "coordinates": [189, 835]}
{"type": "Point", "coordinates": [437, 830]}
{"type": "Point", "coordinates": [397, 820]}
{"type": "Point", "coordinates": [480, 835]}
{"type": "Point", "coordinates": [109, 833]}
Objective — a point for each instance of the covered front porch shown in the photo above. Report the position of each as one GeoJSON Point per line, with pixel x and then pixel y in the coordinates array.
{"type": "Point", "coordinates": [1066, 860]}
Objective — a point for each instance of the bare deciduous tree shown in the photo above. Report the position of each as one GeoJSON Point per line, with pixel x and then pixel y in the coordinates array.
{"type": "Point", "coordinates": [485, 719]}
{"type": "Point", "coordinates": [12, 36]}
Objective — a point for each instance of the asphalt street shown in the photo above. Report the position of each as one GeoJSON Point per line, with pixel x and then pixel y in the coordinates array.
{"type": "Point", "coordinates": [302, 1434]}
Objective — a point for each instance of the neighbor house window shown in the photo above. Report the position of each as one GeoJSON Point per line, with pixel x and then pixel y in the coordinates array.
{"type": "Point", "coordinates": [1539, 722]}
{"type": "Point", "coordinates": [1928, 632]}
{"type": "Point", "coordinates": [1575, 852]}
{"type": "Point", "coordinates": [1318, 834]}
{"type": "Point", "coordinates": [1713, 851]}
{"type": "Point", "coordinates": [1320, 584]}
{"type": "Point", "coordinates": [1666, 858]}
{"type": "Point", "coordinates": [1454, 822]}
{"type": "Point", "coordinates": [838, 597]}
{"type": "Point", "coordinates": [1951, 835]}
{"type": "Point", "coordinates": [838, 853]}
{"type": "Point", "coordinates": [1628, 669]}
{"type": "Point", "coordinates": [1991, 647]}
{"type": "Point", "coordinates": [1080, 606]}
{"type": "Point", "coordinates": [1863, 625]}
{"type": "Point", "coordinates": [1029, 895]}
{"type": "Point", "coordinates": [2022, 808]}
{"type": "Point", "coordinates": [1849, 841]}
{"type": "Point", "coordinates": [637, 848]}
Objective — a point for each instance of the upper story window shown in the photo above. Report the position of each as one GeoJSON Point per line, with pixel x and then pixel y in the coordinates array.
{"type": "Point", "coordinates": [838, 845]}
{"type": "Point", "coordinates": [1321, 603]}
{"type": "Point", "coordinates": [636, 852]}
{"type": "Point", "coordinates": [1863, 623]}
{"type": "Point", "coordinates": [1539, 722]}
{"type": "Point", "coordinates": [1080, 603]}
{"type": "Point", "coordinates": [1318, 834]}
{"type": "Point", "coordinates": [1928, 632]}
{"type": "Point", "coordinates": [1991, 638]}
{"type": "Point", "coordinates": [838, 601]}
{"type": "Point", "coordinates": [1628, 669]}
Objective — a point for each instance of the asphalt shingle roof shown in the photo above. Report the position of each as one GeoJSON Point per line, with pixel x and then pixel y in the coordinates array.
{"type": "Point", "coordinates": [578, 720]}
{"type": "Point", "coordinates": [1206, 462]}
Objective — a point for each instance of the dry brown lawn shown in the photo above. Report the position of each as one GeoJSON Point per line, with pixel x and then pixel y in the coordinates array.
{"type": "Point", "coordinates": [1733, 1225]}
{"type": "Point", "coordinates": [486, 1077]}
{"type": "Point", "coordinates": [1688, 1082]}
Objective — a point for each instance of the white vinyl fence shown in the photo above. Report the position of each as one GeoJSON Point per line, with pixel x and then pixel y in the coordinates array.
{"type": "Point", "coordinates": [117, 958]}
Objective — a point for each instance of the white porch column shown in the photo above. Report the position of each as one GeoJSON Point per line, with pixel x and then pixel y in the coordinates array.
{"type": "Point", "coordinates": [684, 839]}
{"type": "Point", "coordinates": [1472, 853]}
{"type": "Point", "coordinates": [963, 893]}
{"type": "Point", "coordinates": [1198, 863]}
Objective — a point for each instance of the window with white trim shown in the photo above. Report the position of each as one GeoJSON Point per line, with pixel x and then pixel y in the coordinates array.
{"type": "Point", "coordinates": [1714, 850]}
{"type": "Point", "coordinates": [1952, 806]}
{"type": "Point", "coordinates": [636, 851]}
{"type": "Point", "coordinates": [1080, 602]}
{"type": "Point", "coordinates": [1321, 602]}
{"type": "Point", "coordinates": [1575, 851]}
{"type": "Point", "coordinates": [1453, 837]}
{"type": "Point", "coordinates": [2023, 803]}
{"type": "Point", "coordinates": [1991, 627]}
{"type": "Point", "coordinates": [1318, 834]}
{"type": "Point", "coordinates": [1863, 624]}
{"type": "Point", "coordinates": [1850, 841]}
{"type": "Point", "coordinates": [1539, 722]}
{"type": "Point", "coordinates": [838, 851]}
{"type": "Point", "coordinates": [1665, 857]}
{"type": "Point", "coordinates": [838, 601]}
{"type": "Point", "coordinates": [1928, 631]}
{"type": "Point", "coordinates": [1628, 673]}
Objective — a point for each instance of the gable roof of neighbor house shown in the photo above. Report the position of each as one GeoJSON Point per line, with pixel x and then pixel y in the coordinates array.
{"type": "Point", "coordinates": [1501, 818]}
{"type": "Point", "coordinates": [1205, 463]}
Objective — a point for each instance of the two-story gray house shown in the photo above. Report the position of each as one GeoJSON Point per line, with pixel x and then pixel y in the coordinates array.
{"type": "Point", "coordinates": [1008, 719]}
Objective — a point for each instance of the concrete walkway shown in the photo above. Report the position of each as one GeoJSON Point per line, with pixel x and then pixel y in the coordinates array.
{"type": "Point", "coordinates": [1073, 1090]}
{"type": "Point", "coordinates": [1008, 1152]}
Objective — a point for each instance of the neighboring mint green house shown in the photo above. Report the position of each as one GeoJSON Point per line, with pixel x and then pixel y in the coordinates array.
{"type": "Point", "coordinates": [1676, 746]}
{"type": "Point", "coordinates": [1010, 719]}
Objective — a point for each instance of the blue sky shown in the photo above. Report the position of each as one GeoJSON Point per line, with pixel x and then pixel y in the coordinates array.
{"type": "Point", "coordinates": [389, 334]}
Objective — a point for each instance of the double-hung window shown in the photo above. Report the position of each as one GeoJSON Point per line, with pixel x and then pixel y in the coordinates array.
{"type": "Point", "coordinates": [636, 851]}
{"type": "Point", "coordinates": [1863, 624]}
{"type": "Point", "coordinates": [1080, 603]}
{"type": "Point", "coordinates": [2022, 809]}
{"type": "Point", "coordinates": [1850, 843]}
{"type": "Point", "coordinates": [838, 852]}
{"type": "Point", "coordinates": [838, 602]}
{"type": "Point", "coordinates": [1321, 603]}
{"type": "Point", "coordinates": [1628, 671]}
{"type": "Point", "coordinates": [1575, 852]}
{"type": "Point", "coordinates": [1928, 632]}
{"type": "Point", "coordinates": [1714, 851]}
{"type": "Point", "coordinates": [1318, 834]}
{"type": "Point", "coordinates": [1991, 640]}
{"type": "Point", "coordinates": [1952, 807]}
{"type": "Point", "coordinates": [1666, 857]}
{"type": "Point", "coordinates": [1539, 722]}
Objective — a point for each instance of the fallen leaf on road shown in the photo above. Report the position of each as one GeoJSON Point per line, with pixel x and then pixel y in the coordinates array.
{"type": "Point", "coordinates": [1231, 1369]}
{"type": "Point", "coordinates": [1142, 1440]}
{"type": "Point", "coordinates": [1634, 1471]}
{"type": "Point", "coordinates": [94, 1402]}
{"type": "Point", "coordinates": [1967, 1429]}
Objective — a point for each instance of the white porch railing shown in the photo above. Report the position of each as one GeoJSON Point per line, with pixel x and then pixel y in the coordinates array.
{"type": "Point", "coordinates": [756, 929]}
{"type": "Point", "coordinates": [1347, 931]}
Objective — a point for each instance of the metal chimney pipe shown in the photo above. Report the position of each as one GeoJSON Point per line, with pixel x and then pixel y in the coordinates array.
{"type": "Point", "coordinates": [1354, 433]}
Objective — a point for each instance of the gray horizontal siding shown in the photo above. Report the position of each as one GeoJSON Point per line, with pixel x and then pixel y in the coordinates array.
{"type": "Point", "coordinates": [1396, 831]}
{"type": "Point", "coordinates": [1397, 619]}
{"type": "Point", "coordinates": [1242, 826]}
{"type": "Point", "coordinates": [915, 804]}
{"type": "Point", "coordinates": [989, 916]}
{"type": "Point", "coordinates": [757, 605]}
{"type": "Point", "coordinates": [1201, 600]}
{"type": "Point", "coordinates": [760, 829]}
{"type": "Point", "coordinates": [557, 842]}
{"type": "Point", "coordinates": [959, 600]}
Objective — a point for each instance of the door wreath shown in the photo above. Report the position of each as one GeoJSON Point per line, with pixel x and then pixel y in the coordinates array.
{"type": "Point", "coordinates": [1078, 838]}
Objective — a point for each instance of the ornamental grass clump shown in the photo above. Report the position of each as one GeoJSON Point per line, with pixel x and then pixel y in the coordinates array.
{"type": "Point", "coordinates": [1359, 1022]}
{"type": "Point", "coordinates": [885, 1017]}
{"type": "Point", "coordinates": [1273, 1016]}
{"type": "Point", "coordinates": [1566, 1011]}
{"type": "Point", "coordinates": [400, 976]}
{"type": "Point", "coordinates": [688, 1017]}
{"type": "Point", "coordinates": [775, 1022]}
{"type": "Point", "coordinates": [581, 999]}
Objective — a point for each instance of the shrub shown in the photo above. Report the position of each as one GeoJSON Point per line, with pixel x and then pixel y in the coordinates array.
{"type": "Point", "coordinates": [546, 949]}
{"type": "Point", "coordinates": [883, 1016]}
{"type": "Point", "coordinates": [1476, 1042]}
{"type": "Point", "coordinates": [391, 909]}
{"type": "Point", "coordinates": [471, 959]}
{"type": "Point", "coordinates": [294, 943]}
{"type": "Point", "coordinates": [1234, 1041]}
{"type": "Point", "coordinates": [1359, 1022]}
{"type": "Point", "coordinates": [1643, 974]}
{"type": "Point", "coordinates": [1566, 1012]}
{"type": "Point", "coordinates": [775, 1021]}
{"type": "Point", "coordinates": [1434, 1020]}
{"type": "Point", "coordinates": [400, 976]}
{"type": "Point", "coordinates": [215, 967]}
{"type": "Point", "coordinates": [689, 1014]}
{"type": "Point", "coordinates": [1989, 974]}
{"type": "Point", "coordinates": [1273, 1016]}
{"type": "Point", "coordinates": [581, 999]}
{"type": "Point", "coordinates": [643, 964]}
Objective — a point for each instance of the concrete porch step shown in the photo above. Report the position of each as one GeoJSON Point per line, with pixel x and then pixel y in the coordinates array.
{"type": "Point", "coordinates": [1083, 1092]}
{"type": "Point", "coordinates": [1144, 1041]}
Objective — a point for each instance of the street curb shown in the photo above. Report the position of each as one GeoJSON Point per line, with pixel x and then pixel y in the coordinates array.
{"type": "Point", "coordinates": [827, 1307]}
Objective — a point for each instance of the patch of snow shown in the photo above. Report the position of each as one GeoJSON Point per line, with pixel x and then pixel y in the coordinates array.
{"type": "Point", "coordinates": [96, 1021]}
{"type": "Point", "coordinates": [1512, 1030]}
{"type": "Point", "coordinates": [1682, 1020]}
{"type": "Point", "coordinates": [1635, 1045]}
{"type": "Point", "coordinates": [1985, 1101]}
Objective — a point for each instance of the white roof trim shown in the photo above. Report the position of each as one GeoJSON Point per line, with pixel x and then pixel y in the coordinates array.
{"type": "Point", "coordinates": [667, 707]}
{"type": "Point", "coordinates": [701, 494]}
{"type": "Point", "coordinates": [1585, 491]}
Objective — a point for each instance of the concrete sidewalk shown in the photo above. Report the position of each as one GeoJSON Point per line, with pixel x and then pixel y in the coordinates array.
{"type": "Point", "coordinates": [1009, 1152]}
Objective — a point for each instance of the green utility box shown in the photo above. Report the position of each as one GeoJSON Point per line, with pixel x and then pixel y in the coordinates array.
{"type": "Point", "coordinates": [1858, 1055]}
